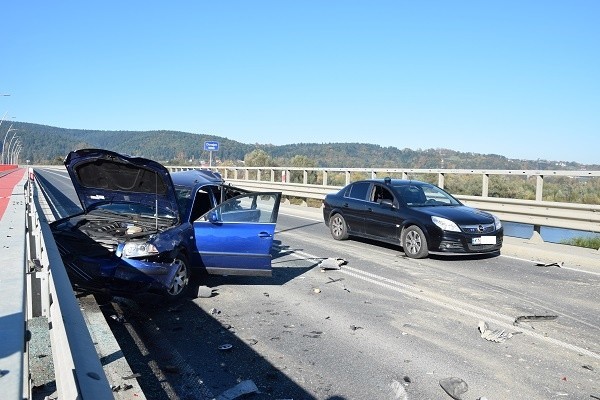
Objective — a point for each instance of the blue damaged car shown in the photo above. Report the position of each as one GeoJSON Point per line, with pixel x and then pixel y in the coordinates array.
{"type": "Point", "coordinates": [143, 229]}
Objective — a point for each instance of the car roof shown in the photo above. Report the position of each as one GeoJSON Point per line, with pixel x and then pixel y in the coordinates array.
{"type": "Point", "coordinates": [395, 182]}
{"type": "Point", "coordinates": [195, 177]}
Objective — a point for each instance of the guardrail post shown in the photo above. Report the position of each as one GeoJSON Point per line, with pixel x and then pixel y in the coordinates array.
{"type": "Point", "coordinates": [539, 188]}
{"type": "Point", "coordinates": [324, 178]}
{"type": "Point", "coordinates": [485, 185]}
{"type": "Point", "coordinates": [404, 175]}
{"type": "Point", "coordinates": [305, 177]}
{"type": "Point", "coordinates": [373, 174]}
{"type": "Point", "coordinates": [348, 177]}
{"type": "Point", "coordinates": [258, 174]}
{"type": "Point", "coordinates": [441, 179]}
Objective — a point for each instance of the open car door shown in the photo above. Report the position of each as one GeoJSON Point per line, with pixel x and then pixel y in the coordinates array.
{"type": "Point", "coordinates": [235, 238]}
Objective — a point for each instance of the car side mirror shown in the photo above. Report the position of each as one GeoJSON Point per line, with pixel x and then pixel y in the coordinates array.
{"type": "Point", "coordinates": [213, 217]}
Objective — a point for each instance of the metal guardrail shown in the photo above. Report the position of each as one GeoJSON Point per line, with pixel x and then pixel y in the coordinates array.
{"type": "Point", "coordinates": [78, 370]}
{"type": "Point", "coordinates": [585, 217]}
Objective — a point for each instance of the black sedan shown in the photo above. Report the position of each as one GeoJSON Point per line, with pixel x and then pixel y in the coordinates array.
{"type": "Point", "coordinates": [419, 216]}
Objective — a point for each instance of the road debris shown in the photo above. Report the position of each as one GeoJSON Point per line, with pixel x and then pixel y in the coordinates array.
{"type": "Point", "coordinates": [214, 311]}
{"type": "Point", "coordinates": [123, 387]}
{"type": "Point", "coordinates": [225, 347]}
{"type": "Point", "coordinates": [554, 264]}
{"type": "Point", "coordinates": [132, 376]}
{"type": "Point", "coordinates": [455, 387]}
{"type": "Point", "coordinates": [529, 318]}
{"type": "Point", "coordinates": [588, 367]}
{"type": "Point", "coordinates": [332, 263]}
{"type": "Point", "coordinates": [496, 336]}
{"type": "Point", "coordinates": [118, 318]}
{"type": "Point", "coordinates": [317, 290]}
{"type": "Point", "coordinates": [241, 389]}
{"type": "Point", "coordinates": [355, 328]}
{"type": "Point", "coordinates": [204, 292]}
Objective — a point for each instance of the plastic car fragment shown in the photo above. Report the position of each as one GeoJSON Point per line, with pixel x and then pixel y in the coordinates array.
{"type": "Point", "coordinates": [554, 264]}
{"type": "Point", "coordinates": [332, 263]}
{"type": "Point", "coordinates": [496, 336]}
{"type": "Point", "coordinates": [455, 387]}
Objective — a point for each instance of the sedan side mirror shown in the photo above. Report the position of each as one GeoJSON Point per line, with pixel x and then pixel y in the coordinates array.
{"type": "Point", "coordinates": [213, 217]}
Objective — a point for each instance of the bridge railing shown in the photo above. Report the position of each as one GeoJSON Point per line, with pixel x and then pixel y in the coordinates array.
{"type": "Point", "coordinates": [78, 371]}
{"type": "Point", "coordinates": [585, 217]}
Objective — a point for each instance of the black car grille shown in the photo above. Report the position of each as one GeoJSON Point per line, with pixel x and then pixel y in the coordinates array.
{"type": "Point", "coordinates": [480, 229]}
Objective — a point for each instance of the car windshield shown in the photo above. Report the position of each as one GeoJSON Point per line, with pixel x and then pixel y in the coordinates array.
{"type": "Point", "coordinates": [136, 209]}
{"type": "Point", "coordinates": [425, 196]}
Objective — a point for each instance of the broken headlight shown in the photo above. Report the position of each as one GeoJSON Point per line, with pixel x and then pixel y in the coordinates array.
{"type": "Point", "coordinates": [139, 249]}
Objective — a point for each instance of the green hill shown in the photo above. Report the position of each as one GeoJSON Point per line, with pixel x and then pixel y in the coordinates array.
{"type": "Point", "coordinates": [44, 144]}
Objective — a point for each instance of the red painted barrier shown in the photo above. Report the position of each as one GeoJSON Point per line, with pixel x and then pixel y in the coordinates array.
{"type": "Point", "coordinates": [7, 185]}
{"type": "Point", "coordinates": [7, 167]}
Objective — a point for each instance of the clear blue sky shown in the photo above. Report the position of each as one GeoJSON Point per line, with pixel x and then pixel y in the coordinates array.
{"type": "Point", "coordinates": [516, 78]}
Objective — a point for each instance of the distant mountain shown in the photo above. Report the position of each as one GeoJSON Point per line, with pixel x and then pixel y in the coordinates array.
{"type": "Point", "coordinates": [44, 144]}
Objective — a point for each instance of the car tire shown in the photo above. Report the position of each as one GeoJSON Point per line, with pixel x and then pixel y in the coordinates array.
{"type": "Point", "coordinates": [338, 227]}
{"type": "Point", "coordinates": [414, 242]}
{"type": "Point", "coordinates": [179, 285]}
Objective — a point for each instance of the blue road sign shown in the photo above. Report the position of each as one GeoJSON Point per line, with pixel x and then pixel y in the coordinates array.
{"type": "Point", "coordinates": [211, 146]}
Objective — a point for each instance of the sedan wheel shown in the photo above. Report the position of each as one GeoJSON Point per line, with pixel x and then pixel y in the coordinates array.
{"type": "Point", "coordinates": [179, 284]}
{"type": "Point", "coordinates": [338, 227]}
{"type": "Point", "coordinates": [414, 242]}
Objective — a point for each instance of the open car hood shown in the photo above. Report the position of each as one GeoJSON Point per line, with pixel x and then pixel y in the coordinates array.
{"type": "Point", "coordinates": [103, 177]}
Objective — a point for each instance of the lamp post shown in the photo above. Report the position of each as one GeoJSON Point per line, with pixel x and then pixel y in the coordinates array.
{"type": "Point", "coordinates": [7, 154]}
{"type": "Point", "coordinates": [4, 142]}
{"type": "Point", "coordinates": [15, 154]}
{"type": "Point", "coordinates": [11, 151]}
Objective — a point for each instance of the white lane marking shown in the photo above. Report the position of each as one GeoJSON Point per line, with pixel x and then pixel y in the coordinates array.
{"type": "Point", "coordinates": [455, 305]}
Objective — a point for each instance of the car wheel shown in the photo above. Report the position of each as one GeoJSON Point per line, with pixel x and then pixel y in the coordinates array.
{"type": "Point", "coordinates": [179, 284]}
{"type": "Point", "coordinates": [414, 242]}
{"type": "Point", "coordinates": [338, 227]}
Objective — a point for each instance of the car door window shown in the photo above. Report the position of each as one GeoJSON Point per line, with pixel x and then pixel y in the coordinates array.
{"type": "Point", "coordinates": [202, 204]}
{"type": "Point", "coordinates": [380, 193]}
{"type": "Point", "coordinates": [359, 190]}
{"type": "Point", "coordinates": [252, 207]}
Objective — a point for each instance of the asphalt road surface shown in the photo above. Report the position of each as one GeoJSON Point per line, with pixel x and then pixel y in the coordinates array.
{"type": "Point", "coordinates": [382, 326]}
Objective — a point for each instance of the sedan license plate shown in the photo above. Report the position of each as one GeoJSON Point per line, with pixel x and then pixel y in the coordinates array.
{"type": "Point", "coordinates": [484, 240]}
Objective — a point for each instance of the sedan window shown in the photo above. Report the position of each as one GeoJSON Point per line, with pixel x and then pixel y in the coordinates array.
{"type": "Point", "coordinates": [358, 190]}
{"type": "Point", "coordinates": [381, 193]}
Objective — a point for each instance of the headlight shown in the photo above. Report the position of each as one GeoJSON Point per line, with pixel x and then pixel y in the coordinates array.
{"type": "Point", "coordinates": [445, 224]}
{"type": "Point", "coordinates": [497, 222]}
{"type": "Point", "coordinates": [139, 249]}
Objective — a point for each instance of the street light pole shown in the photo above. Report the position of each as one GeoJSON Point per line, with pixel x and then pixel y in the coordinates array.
{"type": "Point", "coordinates": [9, 145]}
{"type": "Point", "coordinates": [15, 154]}
{"type": "Point", "coordinates": [11, 153]}
{"type": "Point", "coordinates": [4, 142]}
